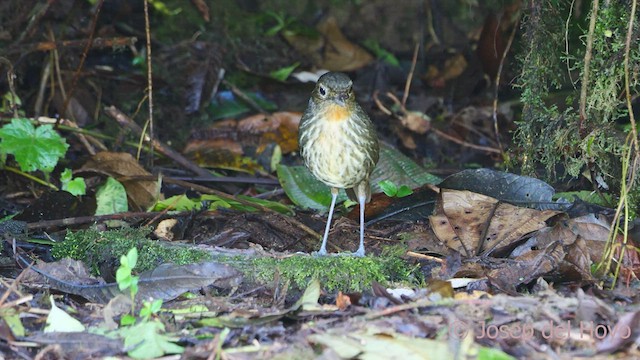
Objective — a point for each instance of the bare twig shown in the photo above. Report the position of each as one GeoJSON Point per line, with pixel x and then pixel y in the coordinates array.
{"type": "Point", "coordinates": [497, 84]}
{"type": "Point", "coordinates": [407, 85]}
{"type": "Point", "coordinates": [587, 61]}
{"type": "Point", "coordinates": [464, 143]}
{"type": "Point", "coordinates": [126, 122]}
{"type": "Point", "coordinates": [85, 51]}
{"type": "Point", "coordinates": [51, 45]}
{"type": "Point", "coordinates": [149, 74]}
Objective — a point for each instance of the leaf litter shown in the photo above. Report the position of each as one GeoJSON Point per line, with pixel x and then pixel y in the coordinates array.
{"type": "Point", "coordinates": [489, 265]}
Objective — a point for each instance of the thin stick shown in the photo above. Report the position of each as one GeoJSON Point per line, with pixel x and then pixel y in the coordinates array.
{"type": "Point", "coordinates": [126, 122]}
{"type": "Point", "coordinates": [587, 61]}
{"type": "Point", "coordinates": [149, 74]}
{"type": "Point", "coordinates": [497, 84]}
{"type": "Point", "coordinates": [466, 144]}
{"type": "Point", "coordinates": [85, 51]}
{"type": "Point", "coordinates": [407, 85]}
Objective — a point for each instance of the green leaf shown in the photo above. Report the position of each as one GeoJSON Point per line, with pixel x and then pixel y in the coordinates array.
{"type": "Point", "coordinates": [485, 353]}
{"type": "Point", "coordinates": [403, 191]}
{"type": "Point", "coordinates": [178, 203]}
{"type": "Point", "coordinates": [146, 341]}
{"type": "Point", "coordinates": [310, 297]}
{"type": "Point", "coordinates": [283, 73]}
{"type": "Point", "coordinates": [586, 196]}
{"type": "Point", "coordinates": [132, 257]}
{"type": "Point", "coordinates": [388, 187]}
{"type": "Point", "coordinates": [150, 307]}
{"type": "Point", "coordinates": [127, 320]}
{"type": "Point", "coordinates": [60, 321]}
{"type": "Point", "coordinates": [74, 186]}
{"type": "Point", "coordinates": [398, 168]}
{"type": "Point", "coordinates": [304, 189]}
{"type": "Point", "coordinates": [111, 198]}
{"type": "Point", "coordinates": [11, 317]}
{"type": "Point", "coordinates": [33, 148]}
{"type": "Point", "coordinates": [183, 203]}
{"type": "Point", "coordinates": [381, 53]}
{"type": "Point", "coordinates": [232, 106]}
{"type": "Point", "coordinates": [273, 205]}
{"type": "Point", "coordinates": [124, 276]}
{"type": "Point", "coordinates": [66, 175]}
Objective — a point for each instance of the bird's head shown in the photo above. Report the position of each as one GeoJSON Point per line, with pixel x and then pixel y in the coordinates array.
{"type": "Point", "coordinates": [334, 88]}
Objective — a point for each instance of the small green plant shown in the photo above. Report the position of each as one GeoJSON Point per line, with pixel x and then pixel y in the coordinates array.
{"type": "Point", "coordinates": [150, 308]}
{"type": "Point", "coordinates": [283, 21]}
{"type": "Point", "coordinates": [33, 148]}
{"type": "Point", "coordinates": [392, 190]}
{"type": "Point", "coordinates": [37, 149]}
{"type": "Point", "coordinates": [10, 102]}
{"type": "Point", "coordinates": [126, 280]}
{"type": "Point", "coordinates": [145, 337]}
{"type": "Point", "coordinates": [75, 186]}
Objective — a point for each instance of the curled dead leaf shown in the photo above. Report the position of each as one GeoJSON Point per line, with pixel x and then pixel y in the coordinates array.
{"type": "Point", "coordinates": [122, 167]}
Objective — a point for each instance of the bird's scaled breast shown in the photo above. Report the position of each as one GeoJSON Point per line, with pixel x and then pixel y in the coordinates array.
{"type": "Point", "coordinates": [334, 153]}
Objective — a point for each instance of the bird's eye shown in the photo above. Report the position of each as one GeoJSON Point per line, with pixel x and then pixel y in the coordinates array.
{"type": "Point", "coordinates": [322, 91]}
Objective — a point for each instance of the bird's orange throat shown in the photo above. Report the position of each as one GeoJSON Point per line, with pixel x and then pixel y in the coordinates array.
{"type": "Point", "coordinates": [336, 113]}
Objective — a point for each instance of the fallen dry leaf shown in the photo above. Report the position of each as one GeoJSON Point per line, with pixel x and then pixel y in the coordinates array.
{"type": "Point", "coordinates": [474, 224]}
{"type": "Point", "coordinates": [342, 301]}
{"type": "Point", "coordinates": [141, 193]}
{"type": "Point", "coordinates": [243, 145]}
{"type": "Point", "coordinates": [331, 50]}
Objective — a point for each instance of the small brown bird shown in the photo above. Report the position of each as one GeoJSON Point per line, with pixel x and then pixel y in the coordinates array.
{"type": "Point", "coordinates": [339, 144]}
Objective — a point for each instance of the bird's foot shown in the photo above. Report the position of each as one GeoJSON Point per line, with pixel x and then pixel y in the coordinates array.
{"type": "Point", "coordinates": [358, 253]}
{"type": "Point", "coordinates": [321, 252]}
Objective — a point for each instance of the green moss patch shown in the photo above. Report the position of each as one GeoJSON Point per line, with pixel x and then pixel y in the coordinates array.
{"type": "Point", "coordinates": [345, 273]}
{"type": "Point", "coordinates": [103, 248]}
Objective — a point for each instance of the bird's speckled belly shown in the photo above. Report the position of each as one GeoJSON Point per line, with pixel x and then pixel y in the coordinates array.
{"type": "Point", "coordinates": [333, 157]}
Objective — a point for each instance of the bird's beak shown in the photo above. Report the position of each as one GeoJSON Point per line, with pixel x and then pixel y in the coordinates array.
{"type": "Point", "coordinates": [342, 98]}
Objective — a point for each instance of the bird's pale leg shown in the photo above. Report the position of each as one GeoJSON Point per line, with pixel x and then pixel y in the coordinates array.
{"type": "Point", "coordinates": [323, 247]}
{"type": "Point", "coordinates": [362, 198]}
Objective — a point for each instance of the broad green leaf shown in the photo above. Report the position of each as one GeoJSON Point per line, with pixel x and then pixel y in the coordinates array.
{"type": "Point", "coordinates": [388, 187]}
{"type": "Point", "coordinates": [60, 321]}
{"type": "Point", "coordinates": [111, 198]}
{"type": "Point", "coordinates": [33, 148]}
{"type": "Point", "coordinates": [400, 169]}
{"type": "Point", "coordinates": [304, 189]}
